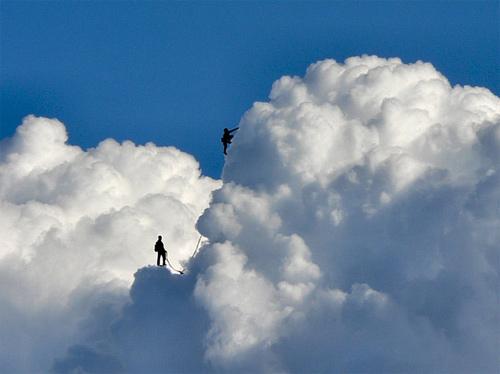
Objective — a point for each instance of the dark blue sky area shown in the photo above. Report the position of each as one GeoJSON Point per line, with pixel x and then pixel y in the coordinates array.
{"type": "Point", "coordinates": [177, 73]}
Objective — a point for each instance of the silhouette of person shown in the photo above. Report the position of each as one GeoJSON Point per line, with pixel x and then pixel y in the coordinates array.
{"type": "Point", "coordinates": [226, 138]}
{"type": "Point", "coordinates": [162, 253]}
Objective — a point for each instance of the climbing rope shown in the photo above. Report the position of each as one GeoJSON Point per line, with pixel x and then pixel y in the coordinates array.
{"type": "Point", "coordinates": [194, 254]}
{"type": "Point", "coordinates": [169, 264]}
{"type": "Point", "coordinates": [197, 244]}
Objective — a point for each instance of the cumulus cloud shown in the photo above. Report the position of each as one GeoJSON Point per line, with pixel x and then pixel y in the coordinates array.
{"type": "Point", "coordinates": [358, 226]}
{"type": "Point", "coordinates": [76, 225]}
{"type": "Point", "coordinates": [356, 229]}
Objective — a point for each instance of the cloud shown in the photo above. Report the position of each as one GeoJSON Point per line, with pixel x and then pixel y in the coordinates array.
{"type": "Point", "coordinates": [75, 226]}
{"type": "Point", "coordinates": [356, 229]}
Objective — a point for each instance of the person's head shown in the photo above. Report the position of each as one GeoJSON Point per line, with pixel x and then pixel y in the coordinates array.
{"type": "Point", "coordinates": [159, 237]}
{"type": "Point", "coordinates": [226, 129]}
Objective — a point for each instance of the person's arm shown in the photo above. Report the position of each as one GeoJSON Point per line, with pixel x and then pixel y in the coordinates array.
{"type": "Point", "coordinates": [234, 129]}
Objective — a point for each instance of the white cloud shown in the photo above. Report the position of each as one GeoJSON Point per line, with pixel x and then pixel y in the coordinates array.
{"type": "Point", "coordinates": [357, 230]}
{"type": "Point", "coordinates": [382, 180]}
{"type": "Point", "coordinates": [74, 221]}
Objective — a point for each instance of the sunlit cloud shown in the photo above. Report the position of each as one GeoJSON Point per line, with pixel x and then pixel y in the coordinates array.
{"type": "Point", "coordinates": [356, 228]}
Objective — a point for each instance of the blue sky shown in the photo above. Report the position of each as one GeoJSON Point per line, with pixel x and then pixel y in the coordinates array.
{"type": "Point", "coordinates": [356, 225]}
{"type": "Point", "coordinates": [177, 73]}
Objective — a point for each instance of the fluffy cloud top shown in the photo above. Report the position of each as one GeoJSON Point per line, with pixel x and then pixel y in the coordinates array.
{"type": "Point", "coordinates": [357, 229]}
{"type": "Point", "coordinates": [77, 224]}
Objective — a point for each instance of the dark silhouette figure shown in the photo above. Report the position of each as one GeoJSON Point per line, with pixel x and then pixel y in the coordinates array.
{"type": "Point", "coordinates": [226, 138]}
{"type": "Point", "coordinates": [162, 253]}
